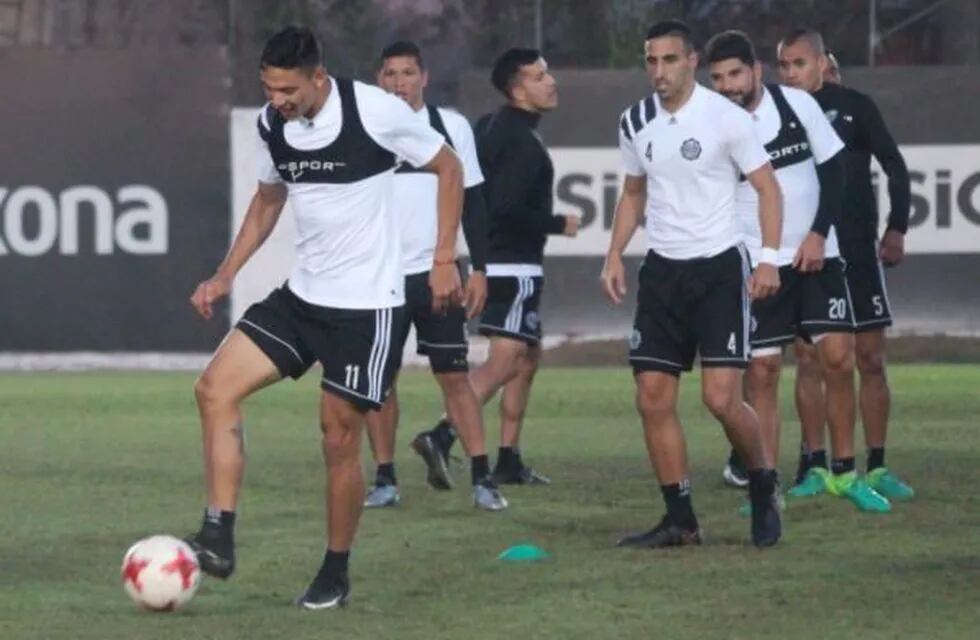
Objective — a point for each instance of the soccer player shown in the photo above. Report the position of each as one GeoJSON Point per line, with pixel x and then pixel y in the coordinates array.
{"type": "Point", "coordinates": [813, 299]}
{"type": "Point", "coordinates": [858, 122]}
{"type": "Point", "coordinates": [330, 146]}
{"type": "Point", "coordinates": [683, 148]}
{"type": "Point", "coordinates": [519, 184]}
{"type": "Point", "coordinates": [441, 336]}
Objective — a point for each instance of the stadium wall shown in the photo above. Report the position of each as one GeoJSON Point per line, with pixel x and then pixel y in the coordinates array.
{"type": "Point", "coordinates": [113, 197]}
{"type": "Point", "coordinates": [115, 201]}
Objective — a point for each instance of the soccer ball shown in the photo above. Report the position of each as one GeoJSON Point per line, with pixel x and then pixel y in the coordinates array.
{"type": "Point", "coordinates": [161, 573]}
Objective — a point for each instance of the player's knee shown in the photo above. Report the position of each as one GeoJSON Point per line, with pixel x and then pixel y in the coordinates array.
{"type": "Point", "coordinates": [340, 442]}
{"type": "Point", "coordinates": [721, 400]}
{"type": "Point", "coordinates": [764, 373]}
{"type": "Point", "coordinates": [871, 362]}
{"type": "Point", "coordinates": [806, 359]}
{"type": "Point", "coordinates": [208, 392]}
{"type": "Point", "coordinates": [455, 383]}
{"type": "Point", "coordinates": [652, 403]}
{"type": "Point", "coordinates": [838, 361]}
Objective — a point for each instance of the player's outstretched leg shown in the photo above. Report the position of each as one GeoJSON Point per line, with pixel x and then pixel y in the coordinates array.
{"type": "Point", "coordinates": [485, 380]}
{"type": "Point", "coordinates": [237, 369]}
{"type": "Point", "coordinates": [341, 423]}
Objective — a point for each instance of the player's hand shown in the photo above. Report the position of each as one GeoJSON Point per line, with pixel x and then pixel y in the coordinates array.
{"type": "Point", "coordinates": [209, 292]}
{"type": "Point", "coordinates": [764, 281]}
{"type": "Point", "coordinates": [613, 278]}
{"type": "Point", "coordinates": [809, 257]}
{"type": "Point", "coordinates": [447, 290]}
{"type": "Point", "coordinates": [892, 250]}
{"type": "Point", "coordinates": [475, 296]}
{"type": "Point", "coordinates": [572, 224]}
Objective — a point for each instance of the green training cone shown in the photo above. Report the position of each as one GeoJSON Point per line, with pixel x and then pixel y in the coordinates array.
{"type": "Point", "coordinates": [524, 553]}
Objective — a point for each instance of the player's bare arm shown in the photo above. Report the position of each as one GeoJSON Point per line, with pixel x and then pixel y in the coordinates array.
{"type": "Point", "coordinates": [628, 211]}
{"type": "Point", "coordinates": [765, 281]}
{"type": "Point", "coordinates": [260, 219]}
{"type": "Point", "coordinates": [444, 276]}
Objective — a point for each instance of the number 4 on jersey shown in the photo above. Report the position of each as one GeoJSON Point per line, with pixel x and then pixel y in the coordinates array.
{"type": "Point", "coordinates": [649, 152]}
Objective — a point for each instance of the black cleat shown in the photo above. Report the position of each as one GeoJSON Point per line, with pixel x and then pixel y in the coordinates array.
{"type": "Point", "coordinates": [801, 468]}
{"type": "Point", "coordinates": [665, 534]}
{"type": "Point", "coordinates": [437, 463]}
{"type": "Point", "coordinates": [215, 552]}
{"type": "Point", "coordinates": [766, 524]}
{"type": "Point", "coordinates": [524, 475]}
{"type": "Point", "coordinates": [325, 594]}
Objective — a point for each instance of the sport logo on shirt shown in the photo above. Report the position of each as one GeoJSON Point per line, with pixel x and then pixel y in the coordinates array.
{"type": "Point", "coordinates": [296, 169]}
{"type": "Point", "coordinates": [691, 149]}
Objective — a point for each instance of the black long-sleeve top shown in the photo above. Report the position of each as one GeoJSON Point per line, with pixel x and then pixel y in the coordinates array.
{"type": "Point", "coordinates": [860, 126]}
{"type": "Point", "coordinates": [518, 182]}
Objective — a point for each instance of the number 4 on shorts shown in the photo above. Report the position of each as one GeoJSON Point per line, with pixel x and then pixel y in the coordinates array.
{"type": "Point", "coordinates": [732, 347]}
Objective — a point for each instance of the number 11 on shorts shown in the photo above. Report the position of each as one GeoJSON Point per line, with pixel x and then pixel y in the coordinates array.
{"type": "Point", "coordinates": [353, 373]}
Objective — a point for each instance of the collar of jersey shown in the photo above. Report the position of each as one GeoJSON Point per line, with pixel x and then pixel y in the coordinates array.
{"type": "Point", "coordinates": [695, 96]}
{"type": "Point", "coordinates": [527, 117]}
{"type": "Point", "coordinates": [317, 118]}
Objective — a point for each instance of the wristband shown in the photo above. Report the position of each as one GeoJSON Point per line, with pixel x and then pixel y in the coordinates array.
{"type": "Point", "coordinates": [768, 255]}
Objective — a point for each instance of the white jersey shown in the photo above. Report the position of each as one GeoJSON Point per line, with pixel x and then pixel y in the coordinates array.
{"type": "Point", "coordinates": [414, 199]}
{"type": "Point", "coordinates": [338, 168]}
{"type": "Point", "coordinates": [795, 156]}
{"type": "Point", "coordinates": [692, 159]}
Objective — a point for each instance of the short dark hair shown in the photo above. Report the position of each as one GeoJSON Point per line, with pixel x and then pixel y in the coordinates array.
{"type": "Point", "coordinates": [730, 44]}
{"type": "Point", "coordinates": [292, 48]}
{"type": "Point", "coordinates": [811, 36]}
{"type": "Point", "coordinates": [675, 28]}
{"type": "Point", "coordinates": [401, 48]}
{"type": "Point", "coordinates": [508, 65]}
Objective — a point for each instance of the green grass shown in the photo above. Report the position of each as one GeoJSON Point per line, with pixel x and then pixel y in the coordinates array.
{"type": "Point", "coordinates": [91, 462]}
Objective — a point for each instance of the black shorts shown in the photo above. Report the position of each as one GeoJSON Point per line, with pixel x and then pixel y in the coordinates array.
{"type": "Point", "coordinates": [441, 337]}
{"type": "Point", "coordinates": [806, 305]}
{"type": "Point", "coordinates": [866, 278]}
{"type": "Point", "coordinates": [353, 345]}
{"type": "Point", "coordinates": [689, 306]}
{"type": "Point", "coordinates": [512, 308]}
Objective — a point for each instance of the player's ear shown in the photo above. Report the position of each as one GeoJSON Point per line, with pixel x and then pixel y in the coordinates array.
{"type": "Point", "coordinates": [425, 78]}
{"type": "Point", "coordinates": [319, 76]}
{"type": "Point", "coordinates": [822, 64]}
{"type": "Point", "coordinates": [757, 70]}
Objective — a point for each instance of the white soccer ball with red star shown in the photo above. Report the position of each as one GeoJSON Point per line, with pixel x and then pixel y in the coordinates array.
{"type": "Point", "coordinates": [161, 573]}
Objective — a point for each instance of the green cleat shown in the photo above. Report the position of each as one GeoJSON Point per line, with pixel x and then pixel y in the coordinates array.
{"type": "Point", "coordinates": [889, 485]}
{"type": "Point", "coordinates": [856, 489]}
{"type": "Point", "coordinates": [816, 482]}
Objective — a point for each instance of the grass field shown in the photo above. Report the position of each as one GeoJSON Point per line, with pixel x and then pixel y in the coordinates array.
{"type": "Point", "coordinates": [91, 462]}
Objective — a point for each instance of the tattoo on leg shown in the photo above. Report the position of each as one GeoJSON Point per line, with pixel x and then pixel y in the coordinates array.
{"type": "Point", "coordinates": [239, 432]}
